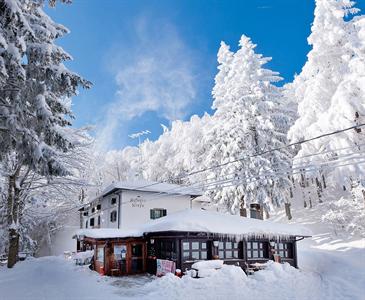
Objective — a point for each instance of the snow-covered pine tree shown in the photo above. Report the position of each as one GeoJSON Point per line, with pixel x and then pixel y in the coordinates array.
{"type": "Point", "coordinates": [34, 86]}
{"type": "Point", "coordinates": [248, 120]}
{"type": "Point", "coordinates": [330, 95]}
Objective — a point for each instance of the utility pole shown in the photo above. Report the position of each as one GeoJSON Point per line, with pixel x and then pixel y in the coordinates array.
{"type": "Point", "coordinates": [138, 135]}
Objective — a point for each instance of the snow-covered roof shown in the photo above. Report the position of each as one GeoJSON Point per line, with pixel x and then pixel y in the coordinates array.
{"type": "Point", "coordinates": [193, 220]}
{"type": "Point", "coordinates": [104, 233]}
{"type": "Point", "coordinates": [222, 224]}
{"type": "Point", "coordinates": [152, 186]}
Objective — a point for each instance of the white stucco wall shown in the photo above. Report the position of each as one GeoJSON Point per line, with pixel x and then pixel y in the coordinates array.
{"type": "Point", "coordinates": [136, 206]}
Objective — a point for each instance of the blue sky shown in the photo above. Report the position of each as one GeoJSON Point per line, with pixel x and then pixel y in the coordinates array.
{"type": "Point", "coordinates": [154, 61]}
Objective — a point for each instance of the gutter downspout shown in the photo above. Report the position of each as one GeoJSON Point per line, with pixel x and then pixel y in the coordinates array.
{"type": "Point", "coordinates": [119, 212]}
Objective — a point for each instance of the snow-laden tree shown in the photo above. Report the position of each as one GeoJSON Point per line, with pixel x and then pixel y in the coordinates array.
{"type": "Point", "coordinates": [248, 120]}
{"type": "Point", "coordinates": [177, 152]}
{"type": "Point", "coordinates": [34, 110]}
{"type": "Point", "coordinates": [330, 96]}
{"type": "Point", "coordinates": [46, 203]}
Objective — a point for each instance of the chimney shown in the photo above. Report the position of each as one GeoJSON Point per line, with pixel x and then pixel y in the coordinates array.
{"type": "Point", "coordinates": [255, 211]}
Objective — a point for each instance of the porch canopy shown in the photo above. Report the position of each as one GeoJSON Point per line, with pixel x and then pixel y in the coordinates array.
{"type": "Point", "coordinates": [108, 233]}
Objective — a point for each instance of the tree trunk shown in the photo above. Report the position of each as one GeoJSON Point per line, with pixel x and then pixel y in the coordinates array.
{"type": "Point", "coordinates": [288, 210]}
{"type": "Point", "coordinates": [243, 211]}
{"type": "Point", "coordinates": [13, 210]}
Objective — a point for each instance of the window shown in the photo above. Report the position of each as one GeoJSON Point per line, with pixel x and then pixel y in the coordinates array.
{"type": "Point", "coordinates": [98, 207]}
{"type": "Point", "coordinates": [86, 223]}
{"type": "Point", "coordinates": [92, 222]}
{"type": "Point", "coordinates": [86, 213]}
{"type": "Point", "coordinates": [166, 249]}
{"type": "Point", "coordinates": [228, 250]}
{"type": "Point", "coordinates": [98, 220]}
{"type": "Point", "coordinates": [257, 250]}
{"type": "Point", "coordinates": [113, 216]}
{"type": "Point", "coordinates": [93, 210]}
{"type": "Point", "coordinates": [100, 254]}
{"type": "Point", "coordinates": [285, 250]}
{"type": "Point", "coordinates": [157, 213]}
{"type": "Point", "coordinates": [113, 201]}
{"type": "Point", "coordinates": [194, 250]}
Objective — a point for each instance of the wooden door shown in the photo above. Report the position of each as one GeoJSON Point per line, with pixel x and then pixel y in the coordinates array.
{"type": "Point", "coordinates": [136, 258]}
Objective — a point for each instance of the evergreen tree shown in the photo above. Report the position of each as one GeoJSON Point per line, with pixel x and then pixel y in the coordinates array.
{"type": "Point", "coordinates": [330, 95]}
{"type": "Point", "coordinates": [249, 119]}
{"type": "Point", "coordinates": [35, 88]}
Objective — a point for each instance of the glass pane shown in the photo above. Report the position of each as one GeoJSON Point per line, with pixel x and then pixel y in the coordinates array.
{"type": "Point", "coordinates": [120, 251]}
{"type": "Point", "coordinates": [249, 246]}
{"type": "Point", "coordinates": [255, 245]}
{"type": "Point", "coordinates": [137, 265]}
{"type": "Point", "coordinates": [281, 246]}
{"type": "Point", "coordinates": [204, 245]}
{"type": "Point", "coordinates": [228, 254]}
{"type": "Point", "coordinates": [235, 245]}
{"type": "Point", "coordinates": [100, 254]}
{"type": "Point", "coordinates": [255, 254]}
{"type": "Point", "coordinates": [249, 254]}
{"type": "Point", "coordinates": [195, 245]}
{"type": "Point", "coordinates": [221, 254]}
{"type": "Point", "coordinates": [195, 255]}
{"type": "Point", "coordinates": [137, 250]}
{"type": "Point", "coordinates": [228, 245]}
{"type": "Point", "coordinates": [235, 254]}
{"type": "Point", "coordinates": [220, 246]}
{"type": "Point", "coordinates": [186, 245]}
{"type": "Point", "coordinates": [186, 254]}
{"type": "Point", "coordinates": [203, 255]}
{"type": "Point", "coordinates": [261, 253]}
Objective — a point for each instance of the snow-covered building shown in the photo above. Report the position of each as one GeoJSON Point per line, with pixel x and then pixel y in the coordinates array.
{"type": "Point", "coordinates": [131, 203]}
{"type": "Point", "coordinates": [180, 239]}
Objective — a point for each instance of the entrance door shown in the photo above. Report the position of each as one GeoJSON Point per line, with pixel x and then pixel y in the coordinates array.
{"type": "Point", "coordinates": [119, 261]}
{"type": "Point", "coordinates": [137, 257]}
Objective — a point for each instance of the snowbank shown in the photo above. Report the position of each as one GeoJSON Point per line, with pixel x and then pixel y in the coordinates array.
{"type": "Point", "coordinates": [208, 264]}
{"type": "Point", "coordinates": [59, 279]}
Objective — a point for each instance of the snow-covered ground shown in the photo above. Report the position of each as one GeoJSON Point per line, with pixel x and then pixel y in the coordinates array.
{"type": "Point", "coordinates": [329, 270]}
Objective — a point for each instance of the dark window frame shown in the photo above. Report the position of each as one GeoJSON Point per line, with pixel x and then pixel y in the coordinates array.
{"type": "Point", "coordinates": [226, 252]}
{"type": "Point", "coordinates": [190, 253]}
{"type": "Point", "coordinates": [113, 216]}
{"type": "Point", "coordinates": [113, 201]}
{"type": "Point", "coordinates": [261, 249]}
{"type": "Point", "coordinates": [286, 251]}
{"type": "Point", "coordinates": [98, 207]}
{"type": "Point", "coordinates": [92, 222]}
{"type": "Point", "coordinates": [99, 220]}
{"type": "Point", "coordinates": [166, 249]}
{"type": "Point", "coordinates": [156, 213]}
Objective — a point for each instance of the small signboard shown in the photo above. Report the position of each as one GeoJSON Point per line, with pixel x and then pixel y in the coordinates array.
{"type": "Point", "coordinates": [165, 266]}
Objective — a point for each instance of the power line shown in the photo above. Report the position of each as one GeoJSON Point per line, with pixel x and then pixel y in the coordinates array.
{"type": "Point", "coordinates": [291, 169]}
{"type": "Point", "coordinates": [274, 149]}
{"type": "Point", "coordinates": [251, 179]}
{"type": "Point", "coordinates": [258, 154]}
